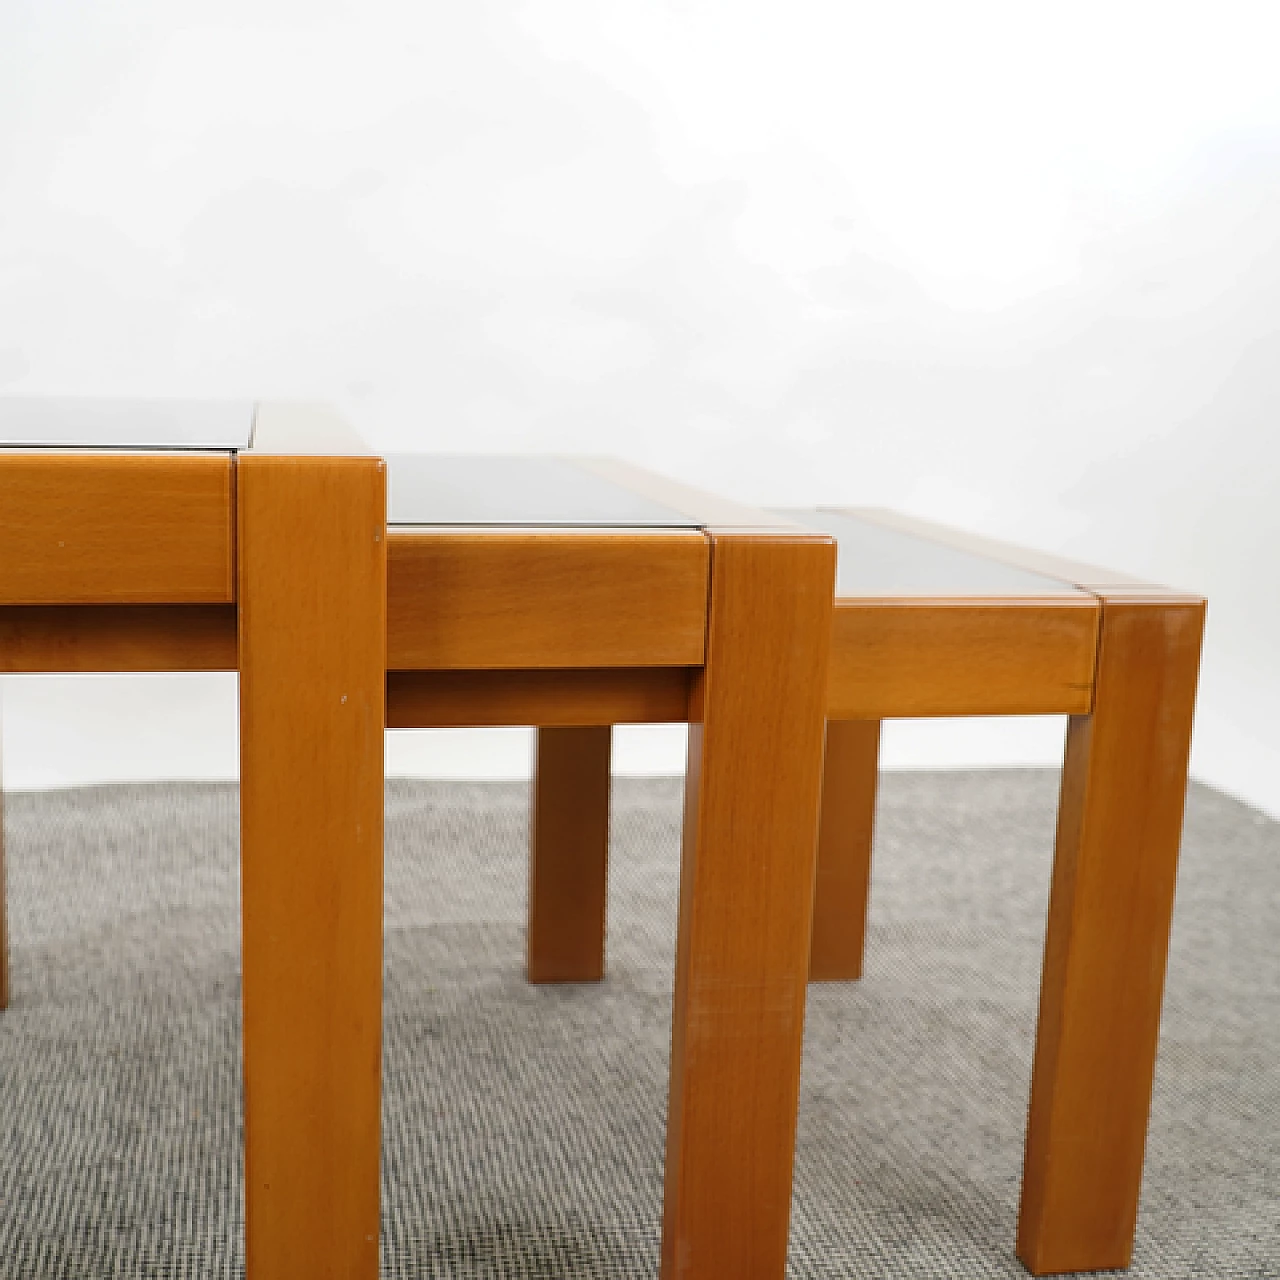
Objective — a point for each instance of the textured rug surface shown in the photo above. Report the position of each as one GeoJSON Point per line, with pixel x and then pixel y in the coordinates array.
{"type": "Point", "coordinates": [523, 1127]}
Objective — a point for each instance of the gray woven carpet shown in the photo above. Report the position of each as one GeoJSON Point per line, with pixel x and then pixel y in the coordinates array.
{"type": "Point", "coordinates": [523, 1127]}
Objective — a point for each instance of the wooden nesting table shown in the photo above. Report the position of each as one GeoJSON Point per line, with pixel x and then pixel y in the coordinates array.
{"type": "Point", "coordinates": [931, 622]}
{"type": "Point", "coordinates": [152, 537]}
{"type": "Point", "coordinates": [574, 595]}
{"type": "Point", "coordinates": [568, 594]}
{"type": "Point", "coordinates": [516, 591]}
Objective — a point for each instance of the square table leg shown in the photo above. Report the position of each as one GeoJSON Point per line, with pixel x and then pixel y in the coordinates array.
{"type": "Point", "coordinates": [569, 854]}
{"type": "Point", "coordinates": [1111, 902]}
{"type": "Point", "coordinates": [746, 897]}
{"type": "Point", "coordinates": [850, 772]}
{"type": "Point", "coordinates": [312, 596]}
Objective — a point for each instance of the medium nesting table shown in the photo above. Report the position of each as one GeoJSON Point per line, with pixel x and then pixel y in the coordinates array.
{"type": "Point", "coordinates": [572, 594]}
{"type": "Point", "coordinates": [932, 622]}
{"type": "Point", "coordinates": [201, 537]}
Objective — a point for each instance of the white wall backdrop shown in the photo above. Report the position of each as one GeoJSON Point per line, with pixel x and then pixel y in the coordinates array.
{"type": "Point", "coordinates": [1015, 267]}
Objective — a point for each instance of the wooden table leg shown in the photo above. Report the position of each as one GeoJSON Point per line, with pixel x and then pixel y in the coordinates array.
{"type": "Point", "coordinates": [569, 854]}
{"type": "Point", "coordinates": [312, 596]}
{"type": "Point", "coordinates": [849, 776]}
{"type": "Point", "coordinates": [1119, 825]}
{"type": "Point", "coordinates": [746, 900]}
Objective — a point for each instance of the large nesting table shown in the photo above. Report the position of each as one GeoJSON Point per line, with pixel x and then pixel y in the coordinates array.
{"type": "Point", "coordinates": [577, 594]}
{"type": "Point", "coordinates": [144, 536]}
{"type": "Point", "coordinates": [932, 622]}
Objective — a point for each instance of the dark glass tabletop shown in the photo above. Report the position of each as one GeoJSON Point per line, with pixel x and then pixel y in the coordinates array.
{"type": "Point", "coordinates": [516, 492]}
{"type": "Point", "coordinates": [71, 423]}
{"type": "Point", "coordinates": [873, 560]}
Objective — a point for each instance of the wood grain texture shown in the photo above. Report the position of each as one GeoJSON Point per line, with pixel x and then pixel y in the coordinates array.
{"type": "Point", "coordinates": [1073, 572]}
{"type": "Point", "coordinates": [950, 657]}
{"type": "Point", "coordinates": [116, 528]}
{"type": "Point", "coordinates": [552, 598]}
{"type": "Point", "coordinates": [746, 900]}
{"type": "Point", "coordinates": [568, 855]}
{"type": "Point", "coordinates": [1119, 826]}
{"type": "Point", "coordinates": [554, 698]}
{"type": "Point", "coordinates": [130, 637]}
{"type": "Point", "coordinates": [849, 777]}
{"type": "Point", "coordinates": [312, 645]}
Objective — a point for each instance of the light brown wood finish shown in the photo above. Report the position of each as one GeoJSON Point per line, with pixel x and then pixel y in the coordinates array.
{"type": "Point", "coordinates": [849, 776]}
{"type": "Point", "coordinates": [746, 898]}
{"type": "Point", "coordinates": [312, 637]}
{"type": "Point", "coordinates": [1119, 825]}
{"type": "Point", "coordinates": [569, 855]}
{"type": "Point", "coordinates": [131, 637]}
{"type": "Point", "coordinates": [116, 528]}
{"type": "Point", "coordinates": [89, 543]}
{"type": "Point", "coordinates": [914, 656]}
{"type": "Point", "coordinates": [550, 598]}
{"type": "Point", "coordinates": [555, 698]}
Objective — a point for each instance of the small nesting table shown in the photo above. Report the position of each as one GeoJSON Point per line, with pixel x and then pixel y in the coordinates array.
{"type": "Point", "coordinates": [143, 536]}
{"type": "Point", "coordinates": [932, 622]}
{"type": "Point", "coordinates": [578, 594]}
